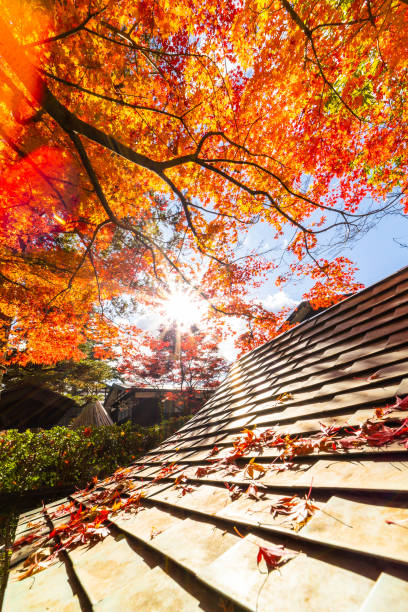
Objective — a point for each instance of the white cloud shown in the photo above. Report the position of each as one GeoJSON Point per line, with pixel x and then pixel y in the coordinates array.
{"type": "Point", "coordinates": [147, 321]}
{"type": "Point", "coordinates": [275, 301]}
{"type": "Point", "coordinates": [226, 347]}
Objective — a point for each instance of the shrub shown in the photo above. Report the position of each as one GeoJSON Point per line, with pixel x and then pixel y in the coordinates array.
{"type": "Point", "coordinates": [63, 457]}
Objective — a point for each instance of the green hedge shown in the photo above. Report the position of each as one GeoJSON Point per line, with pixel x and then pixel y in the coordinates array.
{"type": "Point", "coordinates": [66, 457]}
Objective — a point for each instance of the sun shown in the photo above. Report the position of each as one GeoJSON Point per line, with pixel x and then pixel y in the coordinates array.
{"type": "Point", "coordinates": [183, 308]}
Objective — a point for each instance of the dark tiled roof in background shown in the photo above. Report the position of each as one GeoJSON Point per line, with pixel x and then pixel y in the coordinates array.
{"type": "Point", "coordinates": [30, 405]}
{"type": "Point", "coordinates": [181, 553]}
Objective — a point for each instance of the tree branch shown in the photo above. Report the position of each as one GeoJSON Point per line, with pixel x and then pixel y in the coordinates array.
{"type": "Point", "coordinates": [13, 282]}
{"type": "Point", "coordinates": [67, 33]}
{"type": "Point", "coordinates": [309, 35]}
{"type": "Point", "coordinates": [79, 266]}
{"type": "Point", "coordinates": [109, 98]}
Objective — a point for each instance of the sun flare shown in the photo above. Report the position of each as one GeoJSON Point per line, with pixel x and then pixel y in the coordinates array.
{"type": "Point", "coordinates": [183, 308]}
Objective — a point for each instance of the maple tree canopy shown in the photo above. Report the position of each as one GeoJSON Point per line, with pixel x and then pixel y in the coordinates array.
{"type": "Point", "coordinates": [173, 358]}
{"type": "Point", "coordinates": [141, 141]}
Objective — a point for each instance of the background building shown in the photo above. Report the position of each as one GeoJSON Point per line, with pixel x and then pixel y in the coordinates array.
{"type": "Point", "coordinates": [148, 406]}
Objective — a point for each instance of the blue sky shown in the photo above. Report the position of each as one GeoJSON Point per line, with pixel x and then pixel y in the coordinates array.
{"type": "Point", "coordinates": [377, 254]}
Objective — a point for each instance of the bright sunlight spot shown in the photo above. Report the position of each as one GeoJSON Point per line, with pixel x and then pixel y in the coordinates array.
{"type": "Point", "coordinates": [183, 308]}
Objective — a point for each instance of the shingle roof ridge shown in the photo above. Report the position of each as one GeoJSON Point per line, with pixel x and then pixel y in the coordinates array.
{"type": "Point", "coordinates": [321, 314]}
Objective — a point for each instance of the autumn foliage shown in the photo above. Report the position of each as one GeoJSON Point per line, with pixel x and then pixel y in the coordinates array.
{"type": "Point", "coordinates": [185, 363]}
{"type": "Point", "coordinates": [141, 142]}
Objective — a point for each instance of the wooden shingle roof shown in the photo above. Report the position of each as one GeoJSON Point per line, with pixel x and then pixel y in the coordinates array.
{"type": "Point", "coordinates": [314, 444]}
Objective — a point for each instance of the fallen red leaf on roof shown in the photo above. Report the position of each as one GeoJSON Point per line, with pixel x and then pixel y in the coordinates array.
{"type": "Point", "coordinates": [254, 491]}
{"type": "Point", "coordinates": [203, 471]}
{"type": "Point", "coordinates": [234, 490]}
{"type": "Point", "coordinates": [378, 434]}
{"type": "Point", "coordinates": [400, 404]}
{"type": "Point", "coordinates": [181, 485]}
{"type": "Point", "coordinates": [213, 451]}
{"type": "Point", "coordinates": [254, 467]}
{"type": "Point", "coordinates": [273, 556]}
{"type": "Point", "coordinates": [297, 510]}
{"type": "Point", "coordinates": [28, 539]}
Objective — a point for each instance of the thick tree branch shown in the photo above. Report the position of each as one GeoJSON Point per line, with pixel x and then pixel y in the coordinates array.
{"type": "Point", "coordinates": [71, 124]}
{"type": "Point", "coordinates": [22, 67]}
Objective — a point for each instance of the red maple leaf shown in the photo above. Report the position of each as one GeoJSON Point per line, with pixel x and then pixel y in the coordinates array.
{"type": "Point", "coordinates": [203, 471]}
{"type": "Point", "coordinates": [350, 441]}
{"type": "Point", "coordinates": [24, 540]}
{"type": "Point", "coordinates": [377, 434]}
{"type": "Point", "coordinates": [254, 492]}
{"type": "Point", "coordinates": [400, 404]}
{"type": "Point", "coordinates": [234, 490]}
{"type": "Point", "coordinates": [213, 451]}
{"type": "Point", "coordinates": [298, 510]}
{"type": "Point", "coordinates": [272, 556]}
